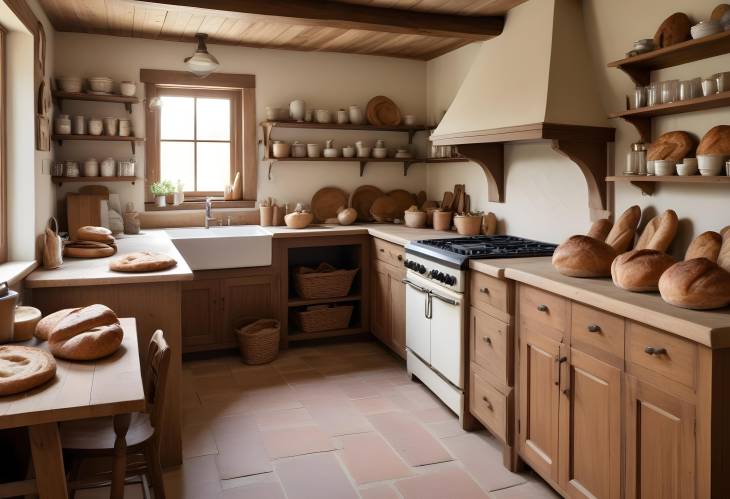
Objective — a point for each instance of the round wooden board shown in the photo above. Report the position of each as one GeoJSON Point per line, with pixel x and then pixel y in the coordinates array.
{"type": "Point", "coordinates": [385, 209]}
{"type": "Point", "coordinates": [327, 201]}
{"type": "Point", "coordinates": [362, 199]}
{"type": "Point", "coordinates": [403, 199]}
{"type": "Point", "coordinates": [381, 111]}
{"type": "Point", "coordinates": [23, 368]}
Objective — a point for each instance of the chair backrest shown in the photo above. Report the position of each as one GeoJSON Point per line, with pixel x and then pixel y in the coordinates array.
{"type": "Point", "coordinates": [155, 376]}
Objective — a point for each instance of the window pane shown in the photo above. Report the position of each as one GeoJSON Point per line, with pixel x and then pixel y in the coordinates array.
{"type": "Point", "coordinates": [176, 163]}
{"type": "Point", "coordinates": [214, 165]}
{"type": "Point", "coordinates": [214, 119]}
{"type": "Point", "coordinates": [177, 118]}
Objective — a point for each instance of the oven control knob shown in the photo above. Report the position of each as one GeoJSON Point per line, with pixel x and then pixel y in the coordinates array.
{"type": "Point", "coordinates": [433, 274]}
{"type": "Point", "coordinates": [440, 277]}
{"type": "Point", "coordinates": [450, 280]}
{"type": "Point", "coordinates": [421, 269]}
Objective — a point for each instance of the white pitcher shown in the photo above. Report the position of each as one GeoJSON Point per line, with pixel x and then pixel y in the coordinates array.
{"type": "Point", "coordinates": [296, 110]}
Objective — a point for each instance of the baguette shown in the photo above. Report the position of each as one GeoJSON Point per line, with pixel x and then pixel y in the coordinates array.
{"type": "Point", "coordinates": [706, 245]}
{"type": "Point", "coordinates": [659, 232]}
{"type": "Point", "coordinates": [698, 284]}
{"type": "Point", "coordinates": [583, 256]}
{"type": "Point", "coordinates": [640, 270]}
{"type": "Point", "coordinates": [600, 229]}
{"type": "Point", "coordinates": [622, 234]}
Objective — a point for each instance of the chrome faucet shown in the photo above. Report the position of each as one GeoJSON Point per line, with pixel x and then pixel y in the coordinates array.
{"type": "Point", "coordinates": [208, 212]}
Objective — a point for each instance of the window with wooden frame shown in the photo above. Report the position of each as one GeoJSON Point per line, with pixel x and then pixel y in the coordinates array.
{"type": "Point", "coordinates": [201, 132]}
{"type": "Point", "coordinates": [3, 154]}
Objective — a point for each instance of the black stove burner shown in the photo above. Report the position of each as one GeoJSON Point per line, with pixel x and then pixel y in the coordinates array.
{"type": "Point", "coordinates": [457, 251]}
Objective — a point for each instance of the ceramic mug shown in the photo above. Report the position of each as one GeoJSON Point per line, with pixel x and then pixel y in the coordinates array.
{"type": "Point", "coordinates": [125, 128]}
{"type": "Point", "coordinates": [296, 110]}
{"type": "Point", "coordinates": [95, 126]}
{"type": "Point", "coordinates": [342, 117]}
{"type": "Point", "coordinates": [323, 115]}
{"type": "Point", "coordinates": [356, 115]}
{"type": "Point", "coordinates": [110, 126]}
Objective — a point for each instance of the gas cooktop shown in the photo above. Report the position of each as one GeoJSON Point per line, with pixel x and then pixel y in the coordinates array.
{"type": "Point", "coordinates": [457, 251]}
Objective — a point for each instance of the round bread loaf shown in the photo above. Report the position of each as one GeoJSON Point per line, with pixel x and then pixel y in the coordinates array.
{"type": "Point", "coordinates": [46, 325]}
{"type": "Point", "coordinates": [600, 229]}
{"type": "Point", "coordinates": [623, 232]}
{"type": "Point", "coordinates": [583, 256]}
{"type": "Point", "coordinates": [715, 141]}
{"type": "Point", "coordinates": [698, 284]}
{"type": "Point", "coordinates": [640, 270]}
{"type": "Point", "coordinates": [659, 232]}
{"type": "Point", "coordinates": [706, 245]}
{"type": "Point", "coordinates": [723, 259]}
{"type": "Point", "coordinates": [23, 368]}
{"type": "Point", "coordinates": [88, 249]}
{"type": "Point", "coordinates": [85, 334]}
{"type": "Point", "coordinates": [671, 145]}
{"type": "Point", "coordinates": [98, 234]}
{"type": "Point", "coordinates": [143, 261]}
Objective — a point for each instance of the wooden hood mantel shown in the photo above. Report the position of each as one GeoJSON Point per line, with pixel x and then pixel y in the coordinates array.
{"type": "Point", "coordinates": [586, 146]}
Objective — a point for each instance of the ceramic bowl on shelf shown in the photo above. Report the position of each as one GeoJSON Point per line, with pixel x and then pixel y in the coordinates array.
{"type": "Point", "coordinates": [415, 219]}
{"type": "Point", "coordinates": [363, 152]}
{"type": "Point", "coordinates": [298, 150]}
{"type": "Point", "coordinates": [322, 116]}
{"type": "Point", "coordinates": [664, 167]}
{"type": "Point", "coordinates": [280, 149]}
{"type": "Point", "coordinates": [314, 150]}
{"type": "Point", "coordinates": [705, 28]}
{"type": "Point", "coordinates": [128, 88]}
{"type": "Point", "coordinates": [409, 120]}
{"type": "Point", "coordinates": [71, 84]}
{"type": "Point", "coordinates": [380, 152]}
{"type": "Point", "coordinates": [710, 164]}
{"type": "Point", "coordinates": [348, 152]}
{"type": "Point", "coordinates": [686, 170]}
{"type": "Point", "coordinates": [100, 84]}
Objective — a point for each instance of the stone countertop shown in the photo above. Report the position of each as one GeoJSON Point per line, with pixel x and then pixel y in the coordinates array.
{"type": "Point", "coordinates": [95, 271]}
{"type": "Point", "coordinates": [397, 234]}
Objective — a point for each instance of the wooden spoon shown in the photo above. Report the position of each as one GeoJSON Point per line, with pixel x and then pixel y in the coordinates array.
{"type": "Point", "coordinates": [447, 201]}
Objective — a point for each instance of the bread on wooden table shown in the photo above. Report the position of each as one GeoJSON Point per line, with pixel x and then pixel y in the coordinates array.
{"type": "Point", "coordinates": [698, 284]}
{"type": "Point", "coordinates": [142, 261]}
{"type": "Point", "coordinates": [623, 231]}
{"type": "Point", "coordinates": [706, 245]}
{"type": "Point", "coordinates": [674, 146]}
{"type": "Point", "coordinates": [639, 270]}
{"type": "Point", "coordinates": [91, 233]}
{"type": "Point", "coordinates": [715, 141]}
{"type": "Point", "coordinates": [723, 259]}
{"type": "Point", "coordinates": [87, 333]}
{"type": "Point", "coordinates": [88, 249]}
{"type": "Point", "coordinates": [674, 29]}
{"type": "Point", "coordinates": [583, 256]}
{"type": "Point", "coordinates": [48, 323]}
{"type": "Point", "coordinates": [23, 368]}
{"type": "Point", "coordinates": [659, 232]}
{"type": "Point", "coordinates": [600, 229]}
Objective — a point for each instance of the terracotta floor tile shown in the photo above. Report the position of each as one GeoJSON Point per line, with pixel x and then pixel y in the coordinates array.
{"type": "Point", "coordinates": [375, 405]}
{"type": "Point", "coordinates": [284, 419]}
{"type": "Point", "coordinates": [255, 491]}
{"type": "Point", "coordinates": [315, 476]}
{"type": "Point", "coordinates": [338, 418]}
{"type": "Point", "coordinates": [444, 429]}
{"type": "Point", "coordinates": [535, 489]}
{"type": "Point", "coordinates": [444, 484]}
{"type": "Point", "coordinates": [198, 441]}
{"type": "Point", "coordinates": [232, 426]}
{"type": "Point", "coordinates": [296, 441]}
{"type": "Point", "coordinates": [435, 414]}
{"type": "Point", "coordinates": [195, 479]}
{"type": "Point", "coordinates": [242, 456]}
{"type": "Point", "coordinates": [356, 389]}
{"type": "Point", "coordinates": [409, 438]}
{"type": "Point", "coordinates": [481, 455]}
{"type": "Point", "coordinates": [370, 459]}
{"type": "Point", "coordinates": [379, 492]}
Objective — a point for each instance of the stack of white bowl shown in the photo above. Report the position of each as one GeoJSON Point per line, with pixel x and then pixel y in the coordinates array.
{"type": "Point", "coordinates": [705, 28]}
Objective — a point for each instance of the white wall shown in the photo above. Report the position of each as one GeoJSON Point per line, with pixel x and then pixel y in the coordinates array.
{"type": "Point", "coordinates": [322, 79]}
{"type": "Point", "coordinates": [546, 196]}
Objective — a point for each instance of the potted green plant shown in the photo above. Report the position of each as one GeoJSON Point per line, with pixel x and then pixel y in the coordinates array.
{"type": "Point", "coordinates": [160, 190]}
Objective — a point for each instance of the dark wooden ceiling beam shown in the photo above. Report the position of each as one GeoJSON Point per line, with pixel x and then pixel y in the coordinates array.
{"type": "Point", "coordinates": [351, 16]}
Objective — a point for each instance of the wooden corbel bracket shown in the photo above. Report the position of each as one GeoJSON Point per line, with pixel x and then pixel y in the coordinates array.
{"type": "Point", "coordinates": [592, 158]}
{"type": "Point", "coordinates": [490, 156]}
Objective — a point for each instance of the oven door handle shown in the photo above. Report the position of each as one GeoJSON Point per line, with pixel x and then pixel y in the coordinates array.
{"type": "Point", "coordinates": [428, 309]}
{"type": "Point", "coordinates": [444, 299]}
{"type": "Point", "coordinates": [415, 286]}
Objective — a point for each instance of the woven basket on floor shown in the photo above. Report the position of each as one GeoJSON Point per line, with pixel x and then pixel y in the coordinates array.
{"type": "Point", "coordinates": [323, 282]}
{"type": "Point", "coordinates": [324, 318]}
{"type": "Point", "coordinates": [259, 341]}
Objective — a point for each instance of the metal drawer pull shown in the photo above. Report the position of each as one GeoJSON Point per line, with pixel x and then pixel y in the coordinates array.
{"type": "Point", "coordinates": [382, 250]}
{"type": "Point", "coordinates": [594, 328]}
{"type": "Point", "coordinates": [559, 361]}
{"type": "Point", "coordinates": [542, 308]}
{"type": "Point", "coordinates": [489, 404]}
{"type": "Point", "coordinates": [655, 351]}
{"type": "Point", "coordinates": [484, 290]}
{"type": "Point", "coordinates": [487, 340]}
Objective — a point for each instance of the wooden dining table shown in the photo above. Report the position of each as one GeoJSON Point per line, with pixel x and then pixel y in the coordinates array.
{"type": "Point", "coordinates": [108, 387]}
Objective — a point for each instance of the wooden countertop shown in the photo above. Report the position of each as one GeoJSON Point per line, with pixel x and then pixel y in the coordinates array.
{"type": "Point", "coordinates": [710, 328]}
{"type": "Point", "coordinates": [497, 267]}
{"type": "Point", "coordinates": [95, 271]}
{"type": "Point", "coordinates": [397, 234]}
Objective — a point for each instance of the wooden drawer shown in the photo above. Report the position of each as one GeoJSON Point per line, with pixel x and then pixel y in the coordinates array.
{"type": "Point", "coordinates": [388, 252]}
{"type": "Point", "coordinates": [597, 329]}
{"type": "Point", "coordinates": [490, 294]}
{"type": "Point", "coordinates": [490, 345]}
{"type": "Point", "coordinates": [489, 406]}
{"type": "Point", "coordinates": [544, 308]}
{"type": "Point", "coordinates": [665, 354]}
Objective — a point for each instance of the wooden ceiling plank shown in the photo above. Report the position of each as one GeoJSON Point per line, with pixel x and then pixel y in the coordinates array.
{"type": "Point", "coordinates": [212, 23]}
{"type": "Point", "coordinates": [59, 15]}
{"type": "Point", "coordinates": [193, 26]}
{"type": "Point", "coordinates": [174, 26]}
{"type": "Point", "coordinates": [120, 17]}
{"type": "Point", "coordinates": [91, 14]}
{"type": "Point", "coordinates": [353, 16]}
{"type": "Point", "coordinates": [154, 19]}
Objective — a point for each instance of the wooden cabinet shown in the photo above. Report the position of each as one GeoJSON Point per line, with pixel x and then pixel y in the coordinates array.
{"type": "Point", "coordinates": [245, 299]}
{"type": "Point", "coordinates": [388, 309]}
{"type": "Point", "coordinates": [201, 310]}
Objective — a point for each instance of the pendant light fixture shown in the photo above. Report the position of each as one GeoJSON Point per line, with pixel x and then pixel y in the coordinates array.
{"type": "Point", "coordinates": [201, 63]}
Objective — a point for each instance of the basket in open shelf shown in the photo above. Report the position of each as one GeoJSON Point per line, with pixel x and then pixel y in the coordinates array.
{"type": "Point", "coordinates": [323, 282]}
{"type": "Point", "coordinates": [323, 318]}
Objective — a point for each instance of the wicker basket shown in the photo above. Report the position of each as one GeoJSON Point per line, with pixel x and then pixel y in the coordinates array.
{"type": "Point", "coordinates": [324, 318]}
{"type": "Point", "coordinates": [323, 282]}
{"type": "Point", "coordinates": [259, 341]}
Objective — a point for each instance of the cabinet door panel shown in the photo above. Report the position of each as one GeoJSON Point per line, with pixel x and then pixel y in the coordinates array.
{"type": "Point", "coordinates": [397, 311]}
{"type": "Point", "coordinates": [660, 444]}
{"type": "Point", "coordinates": [590, 431]}
{"type": "Point", "coordinates": [539, 401]}
{"type": "Point", "coordinates": [246, 299]}
{"type": "Point", "coordinates": [380, 303]}
{"type": "Point", "coordinates": [200, 311]}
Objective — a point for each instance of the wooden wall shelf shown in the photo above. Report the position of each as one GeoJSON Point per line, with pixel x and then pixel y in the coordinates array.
{"type": "Point", "coordinates": [640, 66]}
{"type": "Point", "coordinates": [96, 180]}
{"type": "Point", "coordinates": [648, 184]}
{"type": "Point", "coordinates": [406, 162]}
{"type": "Point", "coordinates": [641, 117]}
{"type": "Point", "coordinates": [268, 126]}
{"type": "Point", "coordinates": [80, 96]}
{"type": "Point", "coordinates": [99, 138]}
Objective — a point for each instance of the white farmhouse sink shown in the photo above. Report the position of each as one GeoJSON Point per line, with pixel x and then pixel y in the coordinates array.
{"type": "Point", "coordinates": [223, 247]}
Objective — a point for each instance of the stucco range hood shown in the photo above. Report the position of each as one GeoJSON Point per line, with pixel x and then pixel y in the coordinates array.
{"type": "Point", "coordinates": [532, 82]}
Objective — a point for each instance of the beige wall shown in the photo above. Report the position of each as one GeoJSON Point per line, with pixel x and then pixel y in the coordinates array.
{"type": "Point", "coordinates": [322, 79]}
{"type": "Point", "coordinates": [545, 194]}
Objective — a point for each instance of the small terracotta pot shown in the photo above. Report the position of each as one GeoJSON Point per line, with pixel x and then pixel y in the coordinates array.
{"type": "Point", "coordinates": [415, 219]}
{"type": "Point", "coordinates": [468, 225]}
{"type": "Point", "coordinates": [442, 220]}
{"type": "Point", "coordinates": [266, 216]}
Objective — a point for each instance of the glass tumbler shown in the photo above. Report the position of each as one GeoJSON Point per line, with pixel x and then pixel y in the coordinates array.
{"type": "Point", "coordinates": [639, 97]}
{"type": "Point", "coordinates": [669, 91]}
{"type": "Point", "coordinates": [652, 94]}
{"type": "Point", "coordinates": [686, 90]}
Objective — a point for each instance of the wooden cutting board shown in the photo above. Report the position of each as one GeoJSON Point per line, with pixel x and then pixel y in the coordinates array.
{"type": "Point", "coordinates": [81, 210]}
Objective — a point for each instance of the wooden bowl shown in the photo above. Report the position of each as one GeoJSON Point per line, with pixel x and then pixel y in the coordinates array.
{"type": "Point", "coordinates": [442, 220]}
{"type": "Point", "coordinates": [468, 225]}
{"type": "Point", "coordinates": [298, 220]}
{"type": "Point", "coordinates": [415, 219]}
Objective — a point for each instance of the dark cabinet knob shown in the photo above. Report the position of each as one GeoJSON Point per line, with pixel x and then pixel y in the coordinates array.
{"type": "Point", "coordinates": [489, 404]}
{"type": "Point", "coordinates": [655, 350]}
{"type": "Point", "coordinates": [542, 308]}
{"type": "Point", "coordinates": [487, 340]}
{"type": "Point", "coordinates": [484, 291]}
{"type": "Point", "coordinates": [594, 328]}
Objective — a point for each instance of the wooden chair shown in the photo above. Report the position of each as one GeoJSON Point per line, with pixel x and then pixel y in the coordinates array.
{"type": "Point", "coordinates": [132, 440]}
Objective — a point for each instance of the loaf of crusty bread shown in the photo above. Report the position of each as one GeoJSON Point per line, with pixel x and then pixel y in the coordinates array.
{"type": "Point", "coordinates": [659, 232]}
{"type": "Point", "coordinates": [706, 245]}
{"type": "Point", "coordinates": [723, 259]}
{"type": "Point", "coordinates": [640, 270]}
{"type": "Point", "coordinates": [697, 284]}
{"type": "Point", "coordinates": [583, 256]}
{"type": "Point", "coordinates": [88, 249]}
{"type": "Point", "coordinates": [600, 229]}
{"type": "Point", "coordinates": [672, 145]}
{"type": "Point", "coordinates": [623, 232]}
{"type": "Point", "coordinates": [715, 141]}
{"type": "Point", "coordinates": [98, 234]}
{"type": "Point", "coordinates": [48, 323]}
{"type": "Point", "coordinates": [85, 334]}
{"type": "Point", "coordinates": [142, 261]}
